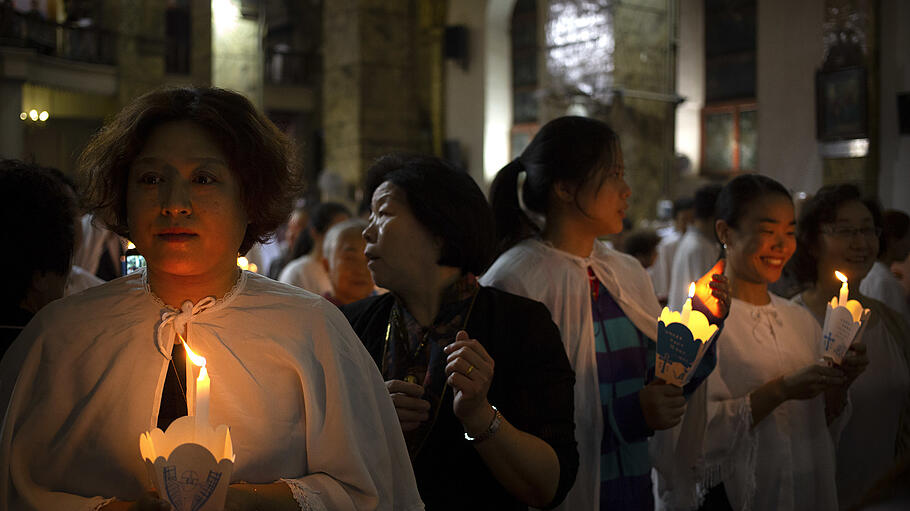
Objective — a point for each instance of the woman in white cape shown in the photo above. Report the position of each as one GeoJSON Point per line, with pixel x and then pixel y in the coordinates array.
{"type": "Point", "coordinates": [192, 176]}
{"type": "Point", "coordinates": [571, 176]}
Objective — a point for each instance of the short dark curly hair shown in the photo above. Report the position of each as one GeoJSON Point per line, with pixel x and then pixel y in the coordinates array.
{"type": "Point", "coordinates": [821, 209]}
{"type": "Point", "coordinates": [447, 202]}
{"type": "Point", "coordinates": [261, 157]}
{"type": "Point", "coordinates": [36, 227]}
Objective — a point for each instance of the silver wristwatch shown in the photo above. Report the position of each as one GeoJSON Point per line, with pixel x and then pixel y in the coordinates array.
{"type": "Point", "coordinates": [490, 431]}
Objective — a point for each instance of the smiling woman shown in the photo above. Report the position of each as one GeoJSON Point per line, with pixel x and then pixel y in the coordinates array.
{"type": "Point", "coordinates": [839, 231]}
{"type": "Point", "coordinates": [194, 177]}
{"type": "Point", "coordinates": [770, 405]}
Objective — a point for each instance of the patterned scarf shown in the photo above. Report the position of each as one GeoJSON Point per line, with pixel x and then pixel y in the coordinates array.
{"type": "Point", "coordinates": [415, 353]}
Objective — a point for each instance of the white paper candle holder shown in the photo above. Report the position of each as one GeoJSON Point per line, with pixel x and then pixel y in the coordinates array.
{"type": "Point", "coordinates": [844, 325]}
{"type": "Point", "coordinates": [190, 464]}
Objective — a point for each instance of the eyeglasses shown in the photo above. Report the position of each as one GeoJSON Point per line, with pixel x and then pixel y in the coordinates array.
{"type": "Point", "coordinates": [849, 232]}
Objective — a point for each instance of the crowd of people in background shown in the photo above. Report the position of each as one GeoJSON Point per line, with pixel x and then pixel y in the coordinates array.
{"type": "Point", "coordinates": [445, 350]}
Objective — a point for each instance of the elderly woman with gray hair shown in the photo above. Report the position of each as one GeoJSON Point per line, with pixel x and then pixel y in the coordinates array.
{"type": "Point", "coordinates": [346, 264]}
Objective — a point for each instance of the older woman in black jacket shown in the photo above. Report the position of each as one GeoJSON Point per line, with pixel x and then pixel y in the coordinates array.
{"type": "Point", "coordinates": [479, 377]}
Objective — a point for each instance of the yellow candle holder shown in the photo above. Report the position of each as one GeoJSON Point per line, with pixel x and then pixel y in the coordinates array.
{"type": "Point", "coordinates": [681, 345]}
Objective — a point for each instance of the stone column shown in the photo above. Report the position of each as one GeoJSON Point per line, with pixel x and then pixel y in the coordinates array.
{"type": "Point", "coordinates": [140, 44]}
{"type": "Point", "coordinates": [372, 82]}
{"type": "Point", "coordinates": [237, 62]}
{"type": "Point", "coordinates": [201, 41]}
{"type": "Point", "coordinates": [342, 73]}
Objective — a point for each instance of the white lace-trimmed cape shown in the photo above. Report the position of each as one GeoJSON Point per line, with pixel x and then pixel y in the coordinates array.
{"type": "Point", "coordinates": [560, 280]}
{"type": "Point", "coordinates": [303, 398]}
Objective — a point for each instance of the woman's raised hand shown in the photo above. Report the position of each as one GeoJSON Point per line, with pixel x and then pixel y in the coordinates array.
{"type": "Point", "coordinates": [411, 409]}
{"type": "Point", "coordinates": [469, 369]}
{"type": "Point", "coordinates": [721, 290]}
{"type": "Point", "coordinates": [810, 381]}
{"type": "Point", "coordinates": [713, 293]}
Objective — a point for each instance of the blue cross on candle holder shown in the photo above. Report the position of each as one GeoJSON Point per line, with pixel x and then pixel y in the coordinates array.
{"type": "Point", "coordinates": [829, 339]}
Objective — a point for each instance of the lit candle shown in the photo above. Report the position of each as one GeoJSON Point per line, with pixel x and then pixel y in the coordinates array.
{"type": "Point", "coordinates": [844, 291]}
{"type": "Point", "coordinates": [687, 307]}
{"type": "Point", "coordinates": [203, 384]}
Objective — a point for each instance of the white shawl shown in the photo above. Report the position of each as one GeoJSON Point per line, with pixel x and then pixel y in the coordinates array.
{"type": "Point", "coordinates": [303, 398]}
{"type": "Point", "coordinates": [560, 280]}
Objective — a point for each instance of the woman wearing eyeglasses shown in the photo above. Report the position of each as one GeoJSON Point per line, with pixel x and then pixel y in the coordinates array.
{"type": "Point", "coordinates": [838, 230]}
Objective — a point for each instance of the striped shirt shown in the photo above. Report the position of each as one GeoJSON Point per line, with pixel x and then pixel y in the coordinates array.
{"type": "Point", "coordinates": [625, 363]}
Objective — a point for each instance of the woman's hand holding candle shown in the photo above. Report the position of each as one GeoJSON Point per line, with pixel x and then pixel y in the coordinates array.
{"type": "Point", "coordinates": [662, 404]}
{"type": "Point", "coordinates": [810, 381]}
{"type": "Point", "coordinates": [855, 362]}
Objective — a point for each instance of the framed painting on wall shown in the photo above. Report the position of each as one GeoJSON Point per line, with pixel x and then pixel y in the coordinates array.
{"type": "Point", "coordinates": [841, 104]}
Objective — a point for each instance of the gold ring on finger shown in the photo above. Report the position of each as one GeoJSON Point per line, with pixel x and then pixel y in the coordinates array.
{"type": "Point", "coordinates": [469, 370]}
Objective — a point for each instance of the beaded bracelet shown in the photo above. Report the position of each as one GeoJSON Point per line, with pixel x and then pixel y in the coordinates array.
{"type": "Point", "coordinates": [491, 429]}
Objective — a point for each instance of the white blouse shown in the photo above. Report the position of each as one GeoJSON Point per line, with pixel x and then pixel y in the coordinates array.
{"type": "Point", "coordinates": [786, 462]}
{"type": "Point", "coordinates": [307, 272]}
{"type": "Point", "coordinates": [304, 400]}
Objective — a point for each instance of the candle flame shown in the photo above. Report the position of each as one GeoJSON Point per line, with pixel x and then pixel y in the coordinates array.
{"type": "Point", "coordinates": [691, 290]}
{"type": "Point", "coordinates": [197, 359]}
{"type": "Point", "coordinates": [840, 276]}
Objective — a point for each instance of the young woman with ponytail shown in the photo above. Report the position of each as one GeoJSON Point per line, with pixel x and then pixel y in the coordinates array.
{"type": "Point", "coordinates": [551, 204]}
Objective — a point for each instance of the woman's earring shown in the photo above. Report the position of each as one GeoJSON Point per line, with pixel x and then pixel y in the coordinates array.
{"type": "Point", "coordinates": [725, 246]}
